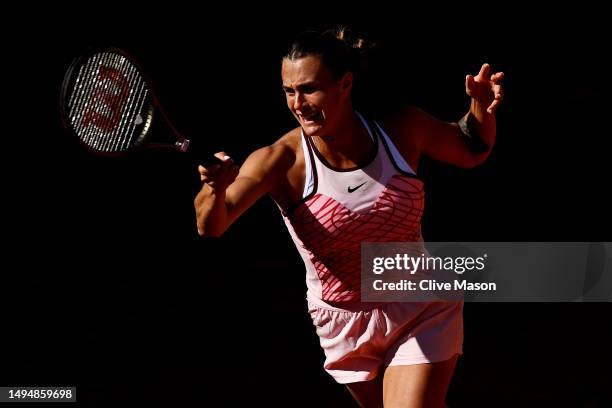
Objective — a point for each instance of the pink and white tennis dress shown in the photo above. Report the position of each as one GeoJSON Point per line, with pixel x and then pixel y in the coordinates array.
{"type": "Point", "coordinates": [379, 202]}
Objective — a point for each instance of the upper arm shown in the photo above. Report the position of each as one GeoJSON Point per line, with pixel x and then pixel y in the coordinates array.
{"type": "Point", "coordinates": [260, 174]}
{"type": "Point", "coordinates": [438, 139]}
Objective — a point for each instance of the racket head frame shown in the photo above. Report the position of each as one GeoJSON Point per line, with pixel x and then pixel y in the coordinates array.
{"type": "Point", "coordinates": [155, 109]}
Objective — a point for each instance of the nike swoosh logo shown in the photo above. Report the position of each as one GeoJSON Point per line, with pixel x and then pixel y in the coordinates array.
{"type": "Point", "coordinates": [351, 189]}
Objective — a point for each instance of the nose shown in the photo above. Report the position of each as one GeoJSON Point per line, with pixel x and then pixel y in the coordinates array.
{"type": "Point", "coordinates": [298, 101]}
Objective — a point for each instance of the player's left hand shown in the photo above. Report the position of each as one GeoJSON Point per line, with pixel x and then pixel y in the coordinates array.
{"type": "Point", "coordinates": [484, 88]}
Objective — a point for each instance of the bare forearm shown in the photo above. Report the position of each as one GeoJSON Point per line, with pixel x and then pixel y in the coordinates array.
{"type": "Point", "coordinates": [211, 212]}
{"type": "Point", "coordinates": [227, 193]}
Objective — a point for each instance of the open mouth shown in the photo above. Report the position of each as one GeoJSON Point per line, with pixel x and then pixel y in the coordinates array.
{"type": "Point", "coordinates": [311, 118]}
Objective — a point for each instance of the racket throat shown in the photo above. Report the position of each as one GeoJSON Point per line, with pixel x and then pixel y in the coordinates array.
{"type": "Point", "coordinates": [182, 145]}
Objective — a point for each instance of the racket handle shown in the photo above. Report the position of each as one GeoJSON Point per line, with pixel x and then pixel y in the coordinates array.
{"type": "Point", "coordinates": [185, 146]}
{"type": "Point", "coordinates": [210, 160]}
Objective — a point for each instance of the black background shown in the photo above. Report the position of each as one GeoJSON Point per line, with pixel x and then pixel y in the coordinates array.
{"type": "Point", "coordinates": [107, 286]}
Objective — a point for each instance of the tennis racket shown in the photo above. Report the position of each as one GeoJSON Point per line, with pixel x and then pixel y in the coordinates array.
{"type": "Point", "coordinates": [107, 102]}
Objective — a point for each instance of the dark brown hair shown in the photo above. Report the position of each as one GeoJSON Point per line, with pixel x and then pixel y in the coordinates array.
{"type": "Point", "coordinates": [338, 48]}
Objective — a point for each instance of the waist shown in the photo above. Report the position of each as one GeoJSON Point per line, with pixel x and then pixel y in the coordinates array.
{"type": "Point", "coordinates": [341, 306]}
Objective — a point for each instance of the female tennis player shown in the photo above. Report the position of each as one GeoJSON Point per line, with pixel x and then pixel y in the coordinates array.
{"type": "Point", "coordinates": [340, 179]}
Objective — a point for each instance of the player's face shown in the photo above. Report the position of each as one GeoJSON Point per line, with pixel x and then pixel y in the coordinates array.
{"type": "Point", "coordinates": [315, 98]}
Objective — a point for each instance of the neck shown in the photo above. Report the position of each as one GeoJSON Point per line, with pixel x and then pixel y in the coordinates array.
{"type": "Point", "coordinates": [347, 146]}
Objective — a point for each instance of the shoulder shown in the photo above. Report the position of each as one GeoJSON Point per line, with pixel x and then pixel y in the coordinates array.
{"type": "Point", "coordinates": [410, 124]}
{"type": "Point", "coordinates": [289, 147]}
{"type": "Point", "coordinates": [271, 166]}
{"type": "Point", "coordinates": [406, 120]}
{"type": "Point", "coordinates": [405, 129]}
{"type": "Point", "coordinates": [280, 166]}
{"type": "Point", "coordinates": [289, 143]}
{"type": "Point", "coordinates": [280, 153]}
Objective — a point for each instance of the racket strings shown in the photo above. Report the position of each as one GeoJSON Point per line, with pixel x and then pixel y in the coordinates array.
{"type": "Point", "coordinates": [122, 136]}
{"type": "Point", "coordinates": [83, 112]}
{"type": "Point", "coordinates": [82, 93]}
{"type": "Point", "coordinates": [136, 100]}
{"type": "Point", "coordinates": [91, 111]}
{"type": "Point", "coordinates": [113, 106]}
{"type": "Point", "coordinates": [107, 102]}
{"type": "Point", "coordinates": [115, 139]}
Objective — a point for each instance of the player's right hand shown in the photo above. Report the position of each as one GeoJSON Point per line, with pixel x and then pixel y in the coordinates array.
{"type": "Point", "coordinates": [219, 176]}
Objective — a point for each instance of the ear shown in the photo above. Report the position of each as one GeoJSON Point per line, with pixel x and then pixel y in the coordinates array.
{"type": "Point", "coordinates": [346, 83]}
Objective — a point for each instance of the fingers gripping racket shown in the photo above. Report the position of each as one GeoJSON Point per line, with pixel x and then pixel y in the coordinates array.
{"type": "Point", "coordinates": [108, 103]}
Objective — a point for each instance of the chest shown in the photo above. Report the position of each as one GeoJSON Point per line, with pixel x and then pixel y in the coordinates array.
{"type": "Point", "coordinates": [324, 223]}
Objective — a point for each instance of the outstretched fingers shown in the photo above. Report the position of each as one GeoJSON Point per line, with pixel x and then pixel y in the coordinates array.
{"type": "Point", "coordinates": [485, 87]}
{"type": "Point", "coordinates": [498, 76]}
{"type": "Point", "coordinates": [498, 94]}
{"type": "Point", "coordinates": [484, 72]}
{"type": "Point", "coordinates": [497, 99]}
{"type": "Point", "coordinates": [469, 84]}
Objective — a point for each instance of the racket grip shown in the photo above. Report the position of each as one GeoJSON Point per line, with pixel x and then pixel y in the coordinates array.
{"type": "Point", "coordinates": [210, 160]}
